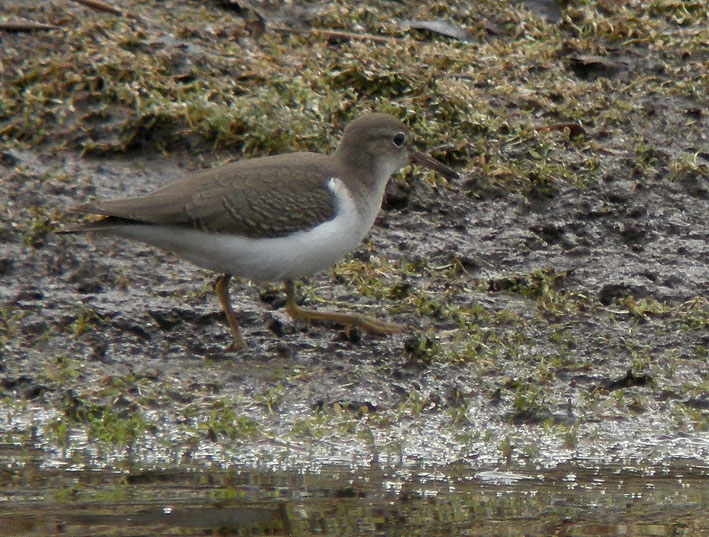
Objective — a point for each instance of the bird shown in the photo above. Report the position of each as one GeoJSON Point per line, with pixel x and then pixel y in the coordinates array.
{"type": "Point", "coordinates": [273, 218]}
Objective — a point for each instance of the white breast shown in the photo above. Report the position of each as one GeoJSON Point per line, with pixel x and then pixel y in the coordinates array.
{"type": "Point", "coordinates": [271, 259]}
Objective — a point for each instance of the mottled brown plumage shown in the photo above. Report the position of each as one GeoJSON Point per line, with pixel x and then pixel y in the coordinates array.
{"type": "Point", "coordinates": [271, 218]}
{"type": "Point", "coordinates": [244, 198]}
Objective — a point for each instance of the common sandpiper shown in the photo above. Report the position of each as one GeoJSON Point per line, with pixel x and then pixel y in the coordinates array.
{"type": "Point", "coordinates": [276, 218]}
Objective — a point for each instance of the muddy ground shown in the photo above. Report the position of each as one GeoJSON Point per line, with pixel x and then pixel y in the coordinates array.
{"type": "Point", "coordinates": [557, 292]}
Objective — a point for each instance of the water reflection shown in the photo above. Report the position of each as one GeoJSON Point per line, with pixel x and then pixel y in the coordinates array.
{"type": "Point", "coordinates": [579, 500]}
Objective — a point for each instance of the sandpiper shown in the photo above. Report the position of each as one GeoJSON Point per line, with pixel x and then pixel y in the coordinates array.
{"type": "Point", "coordinates": [275, 218]}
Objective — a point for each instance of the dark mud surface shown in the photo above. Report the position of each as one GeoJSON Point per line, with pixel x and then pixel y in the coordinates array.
{"type": "Point", "coordinates": [557, 292]}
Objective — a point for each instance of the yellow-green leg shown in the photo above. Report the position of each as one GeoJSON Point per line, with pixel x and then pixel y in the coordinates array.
{"type": "Point", "coordinates": [222, 289]}
{"type": "Point", "coordinates": [369, 325]}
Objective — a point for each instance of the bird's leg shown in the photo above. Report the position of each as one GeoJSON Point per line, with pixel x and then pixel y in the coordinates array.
{"type": "Point", "coordinates": [222, 289]}
{"type": "Point", "coordinates": [369, 325]}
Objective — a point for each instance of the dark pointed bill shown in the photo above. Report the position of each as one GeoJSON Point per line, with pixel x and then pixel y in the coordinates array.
{"type": "Point", "coordinates": [422, 159]}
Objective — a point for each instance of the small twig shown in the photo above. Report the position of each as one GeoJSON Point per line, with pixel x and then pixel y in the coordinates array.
{"type": "Point", "coordinates": [101, 6]}
{"type": "Point", "coordinates": [340, 33]}
{"type": "Point", "coordinates": [25, 26]}
{"type": "Point", "coordinates": [352, 35]}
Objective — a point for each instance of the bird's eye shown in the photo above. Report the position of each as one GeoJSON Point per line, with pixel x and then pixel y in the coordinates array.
{"type": "Point", "coordinates": [399, 139]}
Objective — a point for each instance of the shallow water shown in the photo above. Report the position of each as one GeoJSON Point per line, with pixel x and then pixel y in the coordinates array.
{"type": "Point", "coordinates": [580, 500]}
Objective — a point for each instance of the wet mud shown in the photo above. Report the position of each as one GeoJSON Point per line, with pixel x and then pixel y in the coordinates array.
{"type": "Point", "coordinates": [557, 293]}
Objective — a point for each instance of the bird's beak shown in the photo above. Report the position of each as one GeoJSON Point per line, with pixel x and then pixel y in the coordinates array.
{"type": "Point", "coordinates": [427, 161]}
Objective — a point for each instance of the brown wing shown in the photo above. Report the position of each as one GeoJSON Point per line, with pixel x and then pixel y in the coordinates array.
{"type": "Point", "coordinates": [265, 197]}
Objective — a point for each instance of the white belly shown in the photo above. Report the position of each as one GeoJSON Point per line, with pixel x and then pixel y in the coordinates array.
{"type": "Point", "coordinates": [271, 259]}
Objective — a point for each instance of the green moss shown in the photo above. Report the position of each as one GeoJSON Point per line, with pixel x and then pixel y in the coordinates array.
{"type": "Point", "coordinates": [63, 370]}
{"type": "Point", "coordinates": [106, 424]}
{"type": "Point", "coordinates": [224, 422]}
{"type": "Point", "coordinates": [271, 397]}
{"type": "Point", "coordinates": [86, 319]}
{"type": "Point", "coordinates": [10, 322]}
{"type": "Point", "coordinates": [545, 286]}
{"type": "Point", "coordinates": [38, 224]}
{"type": "Point", "coordinates": [422, 348]}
